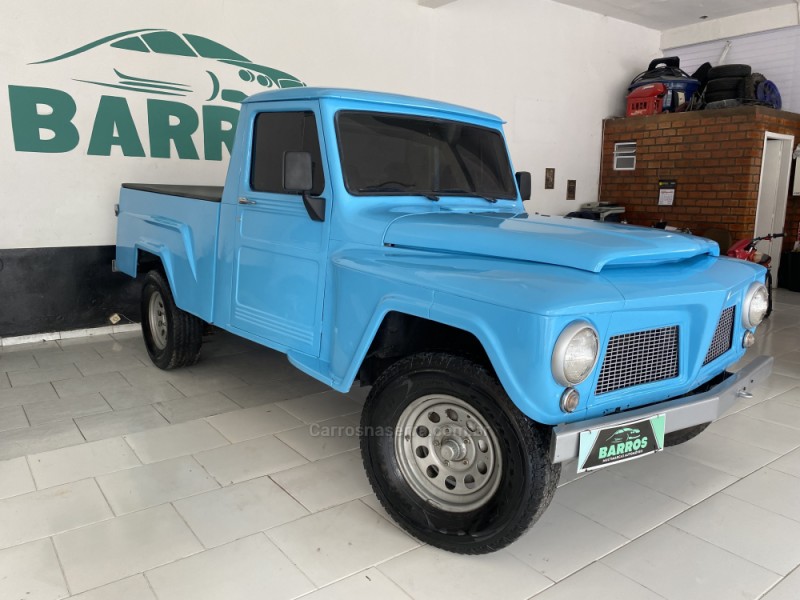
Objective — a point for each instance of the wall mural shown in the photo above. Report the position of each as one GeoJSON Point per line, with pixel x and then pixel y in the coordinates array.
{"type": "Point", "coordinates": [158, 64]}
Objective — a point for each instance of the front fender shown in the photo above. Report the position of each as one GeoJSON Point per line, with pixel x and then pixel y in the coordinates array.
{"type": "Point", "coordinates": [519, 347]}
{"type": "Point", "coordinates": [367, 285]}
{"type": "Point", "coordinates": [360, 303]}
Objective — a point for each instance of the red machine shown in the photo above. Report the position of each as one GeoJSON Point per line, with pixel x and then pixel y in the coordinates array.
{"type": "Point", "coordinates": [746, 250]}
{"type": "Point", "coordinates": [646, 100]}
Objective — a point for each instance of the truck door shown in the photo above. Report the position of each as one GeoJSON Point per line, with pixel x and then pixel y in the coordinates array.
{"type": "Point", "coordinates": [280, 255]}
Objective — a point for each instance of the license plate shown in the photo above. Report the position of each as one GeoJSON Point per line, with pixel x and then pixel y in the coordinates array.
{"type": "Point", "coordinates": [603, 447]}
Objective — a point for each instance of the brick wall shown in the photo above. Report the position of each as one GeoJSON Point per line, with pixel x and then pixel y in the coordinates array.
{"type": "Point", "coordinates": [715, 156]}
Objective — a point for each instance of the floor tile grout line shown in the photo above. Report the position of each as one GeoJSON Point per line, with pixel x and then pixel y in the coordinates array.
{"type": "Point", "coordinates": [203, 468]}
{"type": "Point", "coordinates": [535, 570]}
{"type": "Point", "coordinates": [232, 400]}
{"type": "Point", "coordinates": [667, 522]}
{"type": "Point", "coordinates": [777, 583]}
{"type": "Point", "coordinates": [792, 429]}
{"type": "Point", "coordinates": [731, 552]}
{"type": "Point", "coordinates": [288, 493]}
{"type": "Point", "coordinates": [288, 558]}
{"type": "Point", "coordinates": [356, 574]}
{"type": "Point", "coordinates": [78, 427]}
{"type": "Point", "coordinates": [156, 408]}
{"type": "Point", "coordinates": [169, 383]}
{"type": "Point", "coordinates": [136, 454]}
{"type": "Point", "coordinates": [374, 565]}
{"type": "Point", "coordinates": [25, 414]}
{"type": "Point", "coordinates": [423, 545]}
{"type": "Point", "coordinates": [390, 519]}
{"type": "Point", "coordinates": [618, 572]}
{"type": "Point", "coordinates": [627, 539]}
{"type": "Point", "coordinates": [150, 584]}
{"type": "Point", "coordinates": [60, 565]}
{"type": "Point", "coordinates": [185, 522]}
{"type": "Point", "coordinates": [30, 472]}
{"type": "Point", "coordinates": [721, 490]}
{"type": "Point", "coordinates": [689, 507]}
{"type": "Point", "coordinates": [103, 493]}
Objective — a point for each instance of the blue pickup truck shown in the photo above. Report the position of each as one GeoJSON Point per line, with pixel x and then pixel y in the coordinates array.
{"type": "Point", "coordinates": [382, 239]}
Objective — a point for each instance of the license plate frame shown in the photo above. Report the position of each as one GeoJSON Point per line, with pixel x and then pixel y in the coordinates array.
{"type": "Point", "coordinates": [606, 446]}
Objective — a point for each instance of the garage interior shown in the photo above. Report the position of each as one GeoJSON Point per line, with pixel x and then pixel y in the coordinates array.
{"type": "Point", "coordinates": [119, 480]}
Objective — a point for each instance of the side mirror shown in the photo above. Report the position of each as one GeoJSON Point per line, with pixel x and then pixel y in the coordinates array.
{"type": "Point", "coordinates": [524, 184]}
{"type": "Point", "coordinates": [298, 176]}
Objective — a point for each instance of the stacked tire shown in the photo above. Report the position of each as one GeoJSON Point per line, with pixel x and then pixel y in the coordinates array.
{"type": "Point", "coordinates": [738, 82]}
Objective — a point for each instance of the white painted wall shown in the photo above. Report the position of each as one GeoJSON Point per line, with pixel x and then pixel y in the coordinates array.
{"type": "Point", "coordinates": [552, 71]}
{"type": "Point", "coordinates": [742, 24]}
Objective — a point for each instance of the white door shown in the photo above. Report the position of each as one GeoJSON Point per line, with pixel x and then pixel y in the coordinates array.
{"type": "Point", "coordinates": [772, 195]}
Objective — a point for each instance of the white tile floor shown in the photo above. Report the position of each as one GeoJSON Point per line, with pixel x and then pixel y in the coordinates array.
{"type": "Point", "coordinates": [119, 481]}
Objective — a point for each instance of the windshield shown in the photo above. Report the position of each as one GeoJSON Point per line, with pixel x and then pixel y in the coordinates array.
{"type": "Point", "coordinates": [387, 154]}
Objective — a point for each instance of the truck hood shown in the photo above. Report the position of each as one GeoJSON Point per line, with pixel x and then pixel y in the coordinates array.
{"type": "Point", "coordinates": [577, 243]}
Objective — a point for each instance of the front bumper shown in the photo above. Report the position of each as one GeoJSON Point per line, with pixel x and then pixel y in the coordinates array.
{"type": "Point", "coordinates": [680, 413]}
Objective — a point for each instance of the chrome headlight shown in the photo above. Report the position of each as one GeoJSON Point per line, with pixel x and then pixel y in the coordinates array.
{"type": "Point", "coordinates": [575, 353]}
{"type": "Point", "coordinates": [754, 307]}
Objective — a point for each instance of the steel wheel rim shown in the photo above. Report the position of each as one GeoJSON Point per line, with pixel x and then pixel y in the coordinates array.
{"type": "Point", "coordinates": [157, 320]}
{"type": "Point", "coordinates": [447, 453]}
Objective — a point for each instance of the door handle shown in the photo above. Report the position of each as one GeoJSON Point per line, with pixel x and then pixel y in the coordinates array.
{"type": "Point", "coordinates": [246, 201]}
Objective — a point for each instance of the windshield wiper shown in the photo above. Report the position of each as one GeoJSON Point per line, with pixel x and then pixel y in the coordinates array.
{"type": "Point", "coordinates": [467, 193]}
{"type": "Point", "coordinates": [398, 186]}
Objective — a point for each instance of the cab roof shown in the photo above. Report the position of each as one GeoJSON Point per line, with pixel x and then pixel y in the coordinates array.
{"type": "Point", "coordinates": [319, 93]}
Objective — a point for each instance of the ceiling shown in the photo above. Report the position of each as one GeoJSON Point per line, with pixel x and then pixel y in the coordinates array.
{"type": "Point", "coordinates": [666, 14]}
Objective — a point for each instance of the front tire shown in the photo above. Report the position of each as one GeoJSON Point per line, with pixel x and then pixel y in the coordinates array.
{"type": "Point", "coordinates": [451, 458]}
{"type": "Point", "coordinates": [172, 336]}
{"type": "Point", "coordinates": [768, 283]}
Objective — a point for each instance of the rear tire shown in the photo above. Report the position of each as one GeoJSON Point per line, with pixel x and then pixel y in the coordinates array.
{"type": "Point", "coordinates": [451, 458]}
{"type": "Point", "coordinates": [684, 435]}
{"type": "Point", "coordinates": [172, 336]}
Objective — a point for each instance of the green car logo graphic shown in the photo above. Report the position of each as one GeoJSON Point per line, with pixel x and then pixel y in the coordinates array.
{"type": "Point", "coordinates": [218, 73]}
{"type": "Point", "coordinates": [623, 435]}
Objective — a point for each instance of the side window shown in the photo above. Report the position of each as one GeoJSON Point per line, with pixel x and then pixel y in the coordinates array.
{"type": "Point", "coordinates": [131, 43]}
{"type": "Point", "coordinates": [166, 42]}
{"type": "Point", "coordinates": [275, 134]}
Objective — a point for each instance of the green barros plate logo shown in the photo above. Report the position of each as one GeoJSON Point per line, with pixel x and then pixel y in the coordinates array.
{"type": "Point", "coordinates": [603, 447]}
{"type": "Point", "coordinates": [183, 80]}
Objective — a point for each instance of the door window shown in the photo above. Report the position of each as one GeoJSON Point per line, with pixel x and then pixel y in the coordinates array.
{"type": "Point", "coordinates": [167, 42]}
{"type": "Point", "coordinates": [275, 134]}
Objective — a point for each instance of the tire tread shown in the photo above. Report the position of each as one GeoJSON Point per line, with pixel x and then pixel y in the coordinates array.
{"type": "Point", "coordinates": [536, 438]}
{"type": "Point", "coordinates": [185, 337]}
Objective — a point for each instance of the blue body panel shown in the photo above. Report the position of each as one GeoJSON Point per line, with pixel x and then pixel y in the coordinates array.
{"type": "Point", "coordinates": [182, 232]}
{"type": "Point", "coordinates": [319, 291]}
{"type": "Point", "coordinates": [572, 243]}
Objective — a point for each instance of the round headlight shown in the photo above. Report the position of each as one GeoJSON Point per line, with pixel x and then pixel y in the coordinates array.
{"type": "Point", "coordinates": [575, 353]}
{"type": "Point", "coordinates": [754, 307]}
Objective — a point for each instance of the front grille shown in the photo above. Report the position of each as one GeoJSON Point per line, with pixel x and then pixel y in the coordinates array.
{"type": "Point", "coordinates": [723, 336]}
{"type": "Point", "coordinates": [640, 357]}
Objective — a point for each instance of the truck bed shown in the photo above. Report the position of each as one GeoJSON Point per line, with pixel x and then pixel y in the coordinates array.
{"type": "Point", "coordinates": [178, 224]}
{"type": "Point", "coordinates": [209, 193]}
